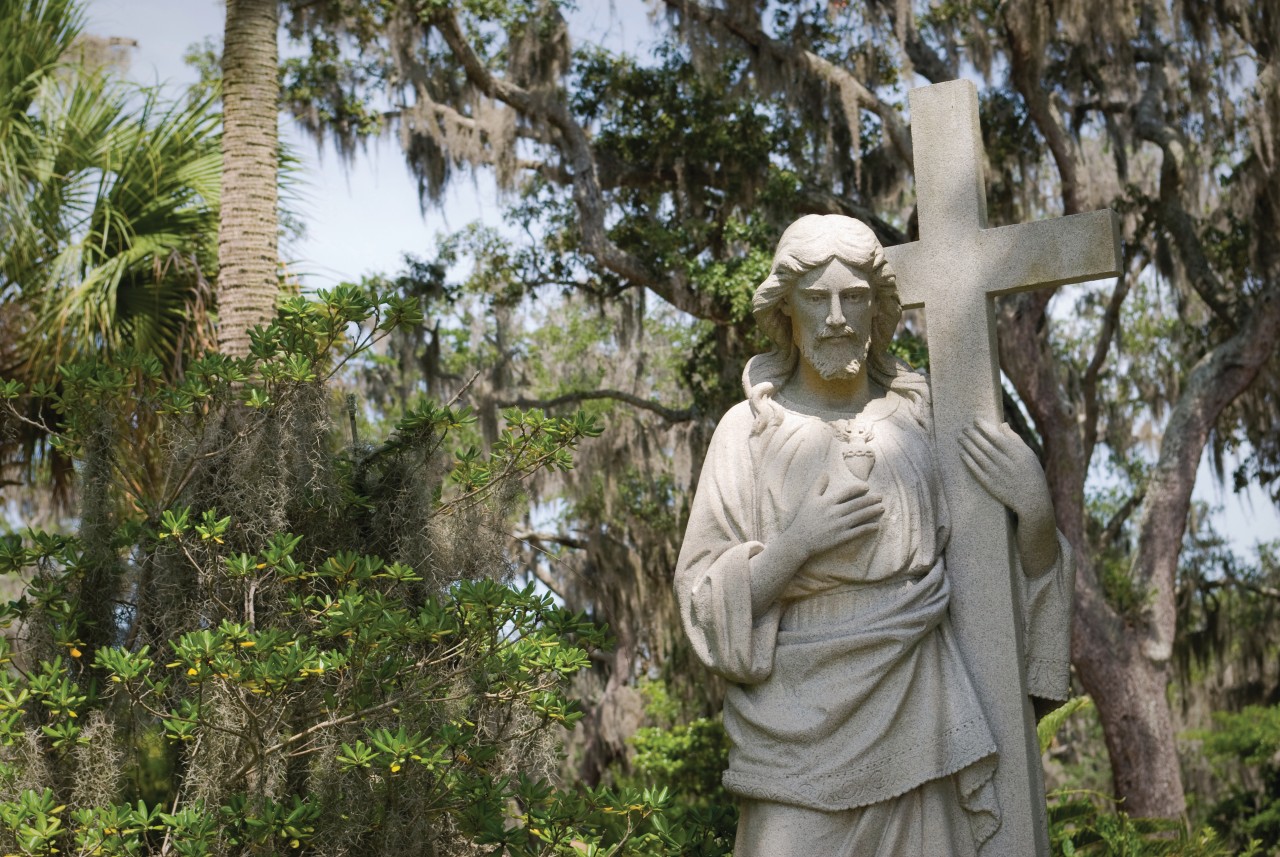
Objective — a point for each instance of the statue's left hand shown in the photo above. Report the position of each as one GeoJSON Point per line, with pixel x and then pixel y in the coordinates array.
{"type": "Point", "coordinates": [1008, 469]}
{"type": "Point", "coordinates": [1004, 465]}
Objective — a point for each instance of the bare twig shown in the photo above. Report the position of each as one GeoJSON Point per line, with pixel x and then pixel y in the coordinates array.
{"type": "Point", "coordinates": [534, 539]}
{"type": "Point", "coordinates": [463, 389]}
{"type": "Point", "coordinates": [1101, 347]}
{"type": "Point", "coordinates": [1111, 531]}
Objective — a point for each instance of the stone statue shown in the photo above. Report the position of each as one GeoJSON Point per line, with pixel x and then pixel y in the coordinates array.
{"type": "Point", "coordinates": [814, 576]}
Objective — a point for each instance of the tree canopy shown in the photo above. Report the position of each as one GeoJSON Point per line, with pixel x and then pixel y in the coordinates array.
{"type": "Point", "coordinates": [667, 177]}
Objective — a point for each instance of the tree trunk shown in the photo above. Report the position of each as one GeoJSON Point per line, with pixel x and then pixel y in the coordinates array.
{"type": "Point", "coordinates": [1127, 687]}
{"type": "Point", "coordinates": [1124, 664]}
{"type": "Point", "coordinates": [247, 279]}
{"type": "Point", "coordinates": [1129, 690]}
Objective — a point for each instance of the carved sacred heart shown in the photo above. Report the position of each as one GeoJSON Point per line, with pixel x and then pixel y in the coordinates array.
{"type": "Point", "coordinates": [859, 458]}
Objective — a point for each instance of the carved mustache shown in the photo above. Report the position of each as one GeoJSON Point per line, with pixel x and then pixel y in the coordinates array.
{"type": "Point", "coordinates": [836, 332]}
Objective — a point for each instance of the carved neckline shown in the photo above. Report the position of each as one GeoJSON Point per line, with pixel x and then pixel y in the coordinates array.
{"type": "Point", "coordinates": [880, 407]}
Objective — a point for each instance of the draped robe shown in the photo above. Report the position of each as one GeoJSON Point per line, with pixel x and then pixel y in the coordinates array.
{"type": "Point", "coordinates": [851, 711]}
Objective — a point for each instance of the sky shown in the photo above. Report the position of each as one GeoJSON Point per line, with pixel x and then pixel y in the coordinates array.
{"type": "Point", "coordinates": [360, 218]}
{"type": "Point", "coordinates": [363, 217]}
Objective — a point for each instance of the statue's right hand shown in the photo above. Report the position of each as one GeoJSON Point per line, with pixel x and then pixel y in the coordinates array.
{"type": "Point", "coordinates": [833, 513]}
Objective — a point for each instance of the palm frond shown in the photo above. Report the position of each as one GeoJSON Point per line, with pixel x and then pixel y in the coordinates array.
{"type": "Point", "coordinates": [108, 212]}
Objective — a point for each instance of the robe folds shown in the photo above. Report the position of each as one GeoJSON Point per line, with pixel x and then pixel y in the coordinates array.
{"type": "Point", "coordinates": [851, 691]}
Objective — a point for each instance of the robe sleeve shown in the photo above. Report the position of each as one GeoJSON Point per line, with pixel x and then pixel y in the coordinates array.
{"type": "Point", "coordinates": [713, 575]}
{"type": "Point", "coordinates": [1046, 608]}
{"type": "Point", "coordinates": [1046, 611]}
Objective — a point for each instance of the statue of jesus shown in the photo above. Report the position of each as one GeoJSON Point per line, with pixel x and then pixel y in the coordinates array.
{"type": "Point", "coordinates": [814, 576]}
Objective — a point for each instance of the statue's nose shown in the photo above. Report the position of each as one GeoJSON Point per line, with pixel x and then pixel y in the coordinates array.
{"type": "Point", "coordinates": [835, 318]}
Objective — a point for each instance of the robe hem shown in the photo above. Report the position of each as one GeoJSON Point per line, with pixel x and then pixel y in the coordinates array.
{"type": "Point", "coordinates": [867, 783]}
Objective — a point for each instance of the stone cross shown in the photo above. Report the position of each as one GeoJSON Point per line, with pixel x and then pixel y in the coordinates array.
{"type": "Point", "coordinates": [954, 271]}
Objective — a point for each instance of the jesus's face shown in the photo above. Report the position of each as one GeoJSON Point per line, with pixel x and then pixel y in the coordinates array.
{"type": "Point", "coordinates": [831, 312]}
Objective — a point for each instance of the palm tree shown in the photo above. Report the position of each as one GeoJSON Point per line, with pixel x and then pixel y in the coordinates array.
{"type": "Point", "coordinates": [108, 208]}
{"type": "Point", "coordinates": [248, 282]}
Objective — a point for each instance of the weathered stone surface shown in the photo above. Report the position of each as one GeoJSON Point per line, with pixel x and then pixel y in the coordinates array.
{"type": "Point", "coordinates": [849, 564]}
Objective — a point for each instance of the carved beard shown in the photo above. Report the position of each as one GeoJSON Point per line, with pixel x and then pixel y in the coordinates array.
{"type": "Point", "coordinates": [835, 354]}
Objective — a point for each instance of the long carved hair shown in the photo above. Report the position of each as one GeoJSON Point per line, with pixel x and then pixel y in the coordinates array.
{"type": "Point", "coordinates": [811, 242]}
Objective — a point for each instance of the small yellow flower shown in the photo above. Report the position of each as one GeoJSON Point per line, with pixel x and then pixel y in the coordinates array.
{"type": "Point", "coordinates": [193, 671]}
{"type": "Point", "coordinates": [75, 653]}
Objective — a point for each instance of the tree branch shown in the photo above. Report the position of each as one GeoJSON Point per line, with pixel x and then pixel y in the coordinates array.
{"type": "Point", "coordinates": [1255, 588]}
{"type": "Point", "coordinates": [1111, 531]}
{"type": "Point", "coordinates": [1213, 383]}
{"type": "Point", "coordinates": [671, 415]}
{"type": "Point", "coordinates": [1149, 124]}
{"type": "Point", "coordinates": [1101, 347]}
{"type": "Point", "coordinates": [548, 581]}
{"type": "Point", "coordinates": [575, 147]}
{"type": "Point", "coordinates": [1025, 55]}
{"type": "Point", "coordinates": [1027, 359]}
{"type": "Point", "coordinates": [925, 61]}
{"type": "Point", "coordinates": [818, 200]}
{"type": "Point", "coordinates": [853, 93]}
{"type": "Point", "coordinates": [549, 538]}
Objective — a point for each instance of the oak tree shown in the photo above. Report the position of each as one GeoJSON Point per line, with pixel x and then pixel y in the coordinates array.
{"type": "Point", "coordinates": [655, 184]}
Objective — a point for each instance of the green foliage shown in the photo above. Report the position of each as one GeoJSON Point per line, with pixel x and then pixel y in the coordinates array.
{"type": "Point", "coordinates": [1077, 826]}
{"type": "Point", "coordinates": [318, 79]}
{"type": "Point", "coordinates": [109, 197]}
{"type": "Point", "coordinates": [108, 201]}
{"type": "Point", "coordinates": [674, 172]}
{"type": "Point", "coordinates": [911, 348]}
{"type": "Point", "coordinates": [687, 123]}
{"type": "Point", "coordinates": [304, 691]}
{"type": "Point", "coordinates": [1049, 725]}
{"type": "Point", "coordinates": [1251, 737]}
{"type": "Point", "coordinates": [686, 758]}
{"type": "Point", "coordinates": [1085, 822]}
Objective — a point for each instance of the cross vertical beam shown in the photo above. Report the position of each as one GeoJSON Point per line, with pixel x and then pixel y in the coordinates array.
{"type": "Point", "coordinates": [954, 271]}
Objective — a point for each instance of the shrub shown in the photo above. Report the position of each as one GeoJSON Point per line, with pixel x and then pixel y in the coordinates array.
{"type": "Point", "coordinates": [1250, 812]}
{"type": "Point", "coordinates": [263, 639]}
